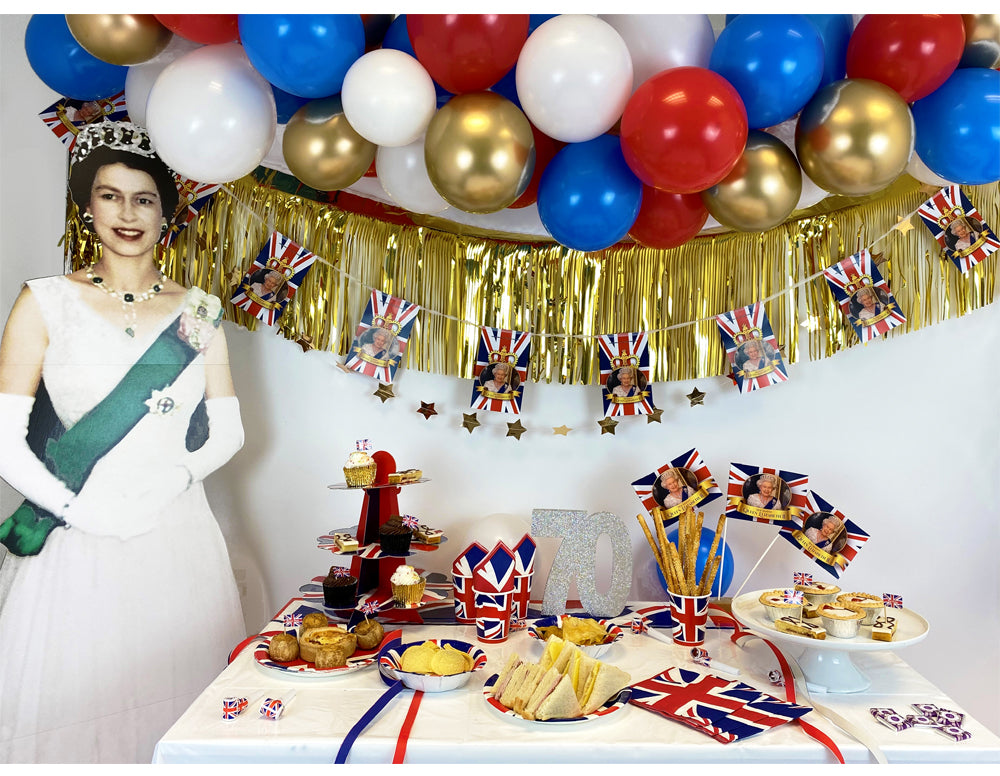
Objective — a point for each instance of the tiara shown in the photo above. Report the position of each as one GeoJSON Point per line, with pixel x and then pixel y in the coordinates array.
{"type": "Point", "coordinates": [117, 135]}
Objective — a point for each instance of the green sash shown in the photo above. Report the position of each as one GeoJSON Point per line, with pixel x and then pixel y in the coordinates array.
{"type": "Point", "coordinates": [72, 454]}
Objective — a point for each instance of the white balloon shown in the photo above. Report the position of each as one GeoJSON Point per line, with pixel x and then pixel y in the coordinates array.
{"type": "Point", "coordinates": [921, 172]}
{"type": "Point", "coordinates": [402, 172]}
{"type": "Point", "coordinates": [210, 115]}
{"type": "Point", "coordinates": [388, 97]}
{"type": "Point", "coordinates": [657, 42]}
{"type": "Point", "coordinates": [140, 78]}
{"type": "Point", "coordinates": [574, 77]}
{"type": "Point", "coordinates": [811, 193]}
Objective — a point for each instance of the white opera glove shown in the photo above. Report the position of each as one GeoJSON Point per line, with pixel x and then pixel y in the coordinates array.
{"type": "Point", "coordinates": [225, 438]}
{"type": "Point", "coordinates": [19, 466]}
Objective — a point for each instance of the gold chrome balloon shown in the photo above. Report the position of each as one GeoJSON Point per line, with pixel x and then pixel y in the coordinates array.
{"type": "Point", "coordinates": [119, 38]}
{"type": "Point", "coordinates": [762, 189]}
{"type": "Point", "coordinates": [854, 137]}
{"type": "Point", "coordinates": [479, 152]}
{"type": "Point", "coordinates": [322, 149]}
{"type": "Point", "coordinates": [982, 40]}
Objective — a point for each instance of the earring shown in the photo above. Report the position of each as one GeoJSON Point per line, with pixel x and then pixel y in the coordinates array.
{"type": "Point", "coordinates": [163, 230]}
{"type": "Point", "coordinates": [88, 218]}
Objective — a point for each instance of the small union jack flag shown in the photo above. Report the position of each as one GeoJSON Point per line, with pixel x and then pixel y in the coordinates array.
{"type": "Point", "coordinates": [363, 445]}
{"type": "Point", "coordinates": [792, 597]}
{"type": "Point", "coordinates": [409, 521]}
{"type": "Point", "coordinates": [340, 571]}
{"type": "Point", "coordinates": [802, 578]}
{"type": "Point", "coordinates": [892, 600]}
{"type": "Point", "coordinates": [639, 625]}
{"type": "Point", "coordinates": [292, 620]}
{"type": "Point", "coordinates": [381, 337]}
{"type": "Point", "coordinates": [369, 607]}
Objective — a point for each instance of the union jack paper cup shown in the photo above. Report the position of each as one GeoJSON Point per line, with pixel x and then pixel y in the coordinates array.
{"type": "Point", "coordinates": [690, 613]}
{"type": "Point", "coordinates": [465, 599]}
{"type": "Point", "coordinates": [493, 614]}
{"type": "Point", "coordinates": [522, 593]}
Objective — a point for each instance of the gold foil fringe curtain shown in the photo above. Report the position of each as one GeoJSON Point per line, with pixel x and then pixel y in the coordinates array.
{"type": "Point", "coordinates": [566, 297]}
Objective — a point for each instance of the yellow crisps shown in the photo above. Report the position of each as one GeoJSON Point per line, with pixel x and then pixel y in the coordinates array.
{"type": "Point", "coordinates": [429, 658]}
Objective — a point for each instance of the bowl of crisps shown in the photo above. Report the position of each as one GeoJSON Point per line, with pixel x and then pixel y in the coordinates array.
{"type": "Point", "coordinates": [593, 637]}
{"type": "Point", "coordinates": [434, 665]}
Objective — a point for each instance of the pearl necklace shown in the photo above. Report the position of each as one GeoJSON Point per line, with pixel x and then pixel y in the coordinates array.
{"type": "Point", "coordinates": [128, 300]}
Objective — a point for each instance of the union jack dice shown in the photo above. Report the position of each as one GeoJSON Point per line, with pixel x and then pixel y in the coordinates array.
{"type": "Point", "coordinates": [271, 708]}
{"type": "Point", "coordinates": [233, 706]}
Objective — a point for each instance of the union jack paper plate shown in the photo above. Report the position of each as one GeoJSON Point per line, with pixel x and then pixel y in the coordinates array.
{"type": "Point", "coordinates": [300, 668]}
{"type": "Point", "coordinates": [390, 661]}
{"type": "Point", "coordinates": [615, 634]}
{"type": "Point", "coordinates": [615, 704]}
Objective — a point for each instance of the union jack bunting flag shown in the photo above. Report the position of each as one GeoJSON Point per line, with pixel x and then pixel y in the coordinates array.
{"type": "Point", "coordinates": [802, 578]}
{"type": "Point", "coordinates": [825, 534]}
{"type": "Point", "coordinates": [275, 275]}
{"type": "Point", "coordinates": [724, 709]}
{"type": "Point", "coordinates": [194, 198]}
{"type": "Point", "coordinates": [624, 361]}
{"type": "Point", "coordinates": [67, 117]}
{"type": "Point", "coordinates": [892, 600]}
{"type": "Point", "coordinates": [964, 236]}
{"type": "Point", "coordinates": [381, 337]}
{"type": "Point", "coordinates": [501, 370]}
{"type": "Point", "coordinates": [765, 495]}
{"type": "Point", "coordinates": [682, 482]}
{"type": "Point", "coordinates": [864, 297]}
{"type": "Point", "coordinates": [751, 348]}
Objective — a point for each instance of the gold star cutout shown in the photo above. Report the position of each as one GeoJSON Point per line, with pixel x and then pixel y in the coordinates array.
{"type": "Point", "coordinates": [903, 225]}
{"type": "Point", "coordinates": [654, 416]}
{"type": "Point", "coordinates": [561, 430]}
{"type": "Point", "coordinates": [305, 342]}
{"type": "Point", "coordinates": [696, 397]}
{"type": "Point", "coordinates": [384, 392]}
{"type": "Point", "coordinates": [470, 421]}
{"type": "Point", "coordinates": [607, 426]}
{"type": "Point", "coordinates": [427, 409]}
{"type": "Point", "coordinates": [515, 429]}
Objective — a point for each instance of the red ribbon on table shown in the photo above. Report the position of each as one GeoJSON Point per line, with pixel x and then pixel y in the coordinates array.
{"type": "Point", "coordinates": [404, 731]}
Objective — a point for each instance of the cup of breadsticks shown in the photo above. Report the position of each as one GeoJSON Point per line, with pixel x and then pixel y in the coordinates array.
{"type": "Point", "coordinates": [688, 592]}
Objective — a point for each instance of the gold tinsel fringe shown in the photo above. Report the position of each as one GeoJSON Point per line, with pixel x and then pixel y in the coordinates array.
{"type": "Point", "coordinates": [566, 297]}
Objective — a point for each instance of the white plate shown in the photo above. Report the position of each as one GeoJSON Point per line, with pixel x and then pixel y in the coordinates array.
{"type": "Point", "coordinates": [614, 705]}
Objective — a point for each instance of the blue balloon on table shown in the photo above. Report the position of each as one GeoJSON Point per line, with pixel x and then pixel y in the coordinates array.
{"type": "Point", "coordinates": [958, 127]}
{"type": "Point", "coordinates": [397, 37]}
{"type": "Point", "coordinates": [725, 575]}
{"type": "Point", "coordinates": [308, 54]}
{"type": "Point", "coordinates": [64, 65]}
{"type": "Point", "coordinates": [286, 104]}
{"type": "Point", "coordinates": [835, 31]}
{"type": "Point", "coordinates": [588, 198]}
{"type": "Point", "coordinates": [774, 61]}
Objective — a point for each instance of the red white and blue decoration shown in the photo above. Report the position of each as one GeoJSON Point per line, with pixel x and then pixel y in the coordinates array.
{"type": "Point", "coordinates": [501, 370]}
{"type": "Point", "coordinates": [273, 279]}
{"type": "Point", "coordinates": [233, 706]}
{"type": "Point", "coordinates": [892, 600]}
{"type": "Point", "coordinates": [944, 721]}
{"type": "Point", "coordinates": [690, 615]}
{"type": "Point", "coordinates": [956, 224]}
{"type": "Point", "coordinates": [864, 296]}
{"type": "Point", "coordinates": [766, 495]}
{"type": "Point", "coordinates": [493, 582]}
{"type": "Point", "coordinates": [802, 578]}
{"type": "Point", "coordinates": [67, 117]}
{"type": "Point", "coordinates": [793, 597]}
{"type": "Point", "coordinates": [825, 534]}
{"type": "Point", "coordinates": [381, 338]}
{"type": "Point", "coordinates": [524, 570]}
{"type": "Point", "coordinates": [292, 620]}
{"type": "Point", "coordinates": [272, 708]}
{"type": "Point", "coordinates": [624, 362]}
{"type": "Point", "coordinates": [195, 198]}
{"type": "Point", "coordinates": [682, 482]}
{"type": "Point", "coordinates": [724, 709]}
{"type": "Point", "coordinates": [461, 575]}
{"type": "Point", "coordinates": [752, 350]}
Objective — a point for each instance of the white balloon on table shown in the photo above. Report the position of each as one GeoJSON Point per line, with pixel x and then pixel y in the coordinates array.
{"type": "Point", "coordinates": [140, 78]}
{"type": "Point", "coordinates": [402, 172]}
{"type": "Point", "coordinates": [210, 115]}
{"type": "Point", "coordinates": [388, 97]}
{"type": "Point", "coordinates": [660, 41]}
{"type": "Point", "coordinates": [574, 77]}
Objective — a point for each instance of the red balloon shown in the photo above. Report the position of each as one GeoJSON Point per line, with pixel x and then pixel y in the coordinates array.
{"type": "Point", "coordinates": [667, 220]}
{"type": "Point", "coordinates": [202, 27]}
{"type": "Point", "coordinates": [545, 149]}
{"type": "Point", "coordinates": [466, 52]}
{"type": "Point", "coordinates": [683, 130]}
{"type": "Point", "coordinates": [912, 54]}
{"type": "Point", "coordinates": [371, 172]}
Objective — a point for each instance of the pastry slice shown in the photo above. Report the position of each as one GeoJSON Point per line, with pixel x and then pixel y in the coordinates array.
{"type": "Point", "coordinates": [884, 628]}
{"type": "Point", "coordinates": [346, 542]}
{"type": "Point", "coordinates": [800, 627]}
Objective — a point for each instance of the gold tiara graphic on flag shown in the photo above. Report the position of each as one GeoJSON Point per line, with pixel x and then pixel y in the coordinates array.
{"type": "Point", "coordinates": [387, 322]}
{"type": "Point", "coordinates": [284, 267]}
{"type": "Point", "coordinates": [747, 333]}
{"type": "Point", "coordinates": [948, 216]}
{"type": "Point", "coordinates": [857, 282]}
{"type": "Point", "coordinates": [502, 356]}
{"type": "Point", "coordinates": [621, 360]}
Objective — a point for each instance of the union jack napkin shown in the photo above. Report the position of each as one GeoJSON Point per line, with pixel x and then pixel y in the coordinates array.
{"type": "Point", "coordinates": [726, 710]}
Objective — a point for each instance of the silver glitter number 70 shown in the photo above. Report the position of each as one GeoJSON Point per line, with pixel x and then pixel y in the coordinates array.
{"type": "Point", "coordinates": [577, 557]}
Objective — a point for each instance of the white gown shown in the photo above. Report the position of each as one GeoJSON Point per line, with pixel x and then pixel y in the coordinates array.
{"type": "Point", "coordinates": [105, 642]}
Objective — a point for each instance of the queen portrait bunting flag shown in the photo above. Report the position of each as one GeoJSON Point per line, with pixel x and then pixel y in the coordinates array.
{"type": "Point", "coordinates": [863, 296]}
{"type": "Point", "coordinates": [683, 482]}
{"type": "Point", "coordinates": [381, 337]}
{"type": "Point", "coordinates": [765, 495]}
{"type": "Point", "coordinates": [624, 361]}
{"type": "Point", "coordinates": [194, 199]}
{"type": "Point", "coordinates": [964, 236]}
{"type": "Point", "coordinates": [825, 534]}
{"type": "Point", "coordinates": [272, 280]}
{"type": "Point", "coordinates": [501, 370]}
{"type": "Point", "coordinates": [751, 348]}
{"type": "Point", "coordinates": [67, 117]}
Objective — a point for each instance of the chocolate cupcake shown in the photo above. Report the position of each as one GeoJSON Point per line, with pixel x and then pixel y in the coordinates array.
{"type": "Point", "coordinates": [394, 537]}
{"type": "Point", "coordinates": [340, 588]}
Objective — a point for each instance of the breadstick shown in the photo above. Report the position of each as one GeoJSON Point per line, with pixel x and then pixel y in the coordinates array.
{"type": "Point", "coordinates": [682, 541]}
{"type": "Point", "coordinates": [706, 585]}
{"type": "Point", "coordinates": [697, 528]}
{"type": "Point", "coordinates": [661, 535]}
{"type": "Point", "coordinates": [675, 562]}
{"type": "Point", "coordinates": [718, 534]}
{"type": "Point", "coordinates": [652, 545]}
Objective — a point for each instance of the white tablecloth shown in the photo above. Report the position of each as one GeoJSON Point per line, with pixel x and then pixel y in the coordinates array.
{"type": "Point", "coordinates": [459, 726]}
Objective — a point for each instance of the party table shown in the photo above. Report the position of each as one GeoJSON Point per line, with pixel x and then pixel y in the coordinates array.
{"type": "Point", "coordinates": [460, 727]}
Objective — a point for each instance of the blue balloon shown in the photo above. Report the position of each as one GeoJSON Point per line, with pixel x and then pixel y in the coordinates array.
{"type": "Point", "coordinates": [958, 127]}
{"type": "Point", "coordinates": [64, 65]}
{"type": "Point", "coordinates": [307, 55]}
{"type": "Point", "coordinates": [535, 20]}
{"type": "Point", "coordinates": [286, 104]}
{"type": "Point", "coordinates": [588, 198]}
{"type": "Point", "coordinates": [775, 62]}
{"type": "Point", "coordinates": [722, 579]}
{"type": "Point", "coordinates": [398, 38]}
{"type": "Point", "coordinates": [835, 30]}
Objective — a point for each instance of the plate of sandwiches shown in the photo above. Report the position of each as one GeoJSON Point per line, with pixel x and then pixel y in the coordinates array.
{"type": "Point", "coordinates": [565, 687]}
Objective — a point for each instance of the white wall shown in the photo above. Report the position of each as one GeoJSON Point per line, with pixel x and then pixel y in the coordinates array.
{"type": "Point", "coordinates": [901, 435]}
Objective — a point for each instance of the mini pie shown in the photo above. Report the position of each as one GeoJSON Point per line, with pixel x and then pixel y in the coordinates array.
{"type": "Point", "coordinates": [841, 621]}
{"type": "Point", "coordinates": [312, 640]}
{"type": "Point", "coordinates": [819, 592]}
{"type": "Point", "coordinates": [774, 606]}
{"type": "Point", "coordinates": [870, 604]}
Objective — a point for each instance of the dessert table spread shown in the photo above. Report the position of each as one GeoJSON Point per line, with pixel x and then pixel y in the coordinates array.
{"type": "Point", "coordinates": [459, 726]}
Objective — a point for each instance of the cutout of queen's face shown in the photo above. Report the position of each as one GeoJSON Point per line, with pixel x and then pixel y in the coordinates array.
{"type": "Point", "coordinates": [767, 491]}
{"type": "Point", "coordinates": [826, 530]}
{"type": "Point", "coordinates": [499, 377]}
